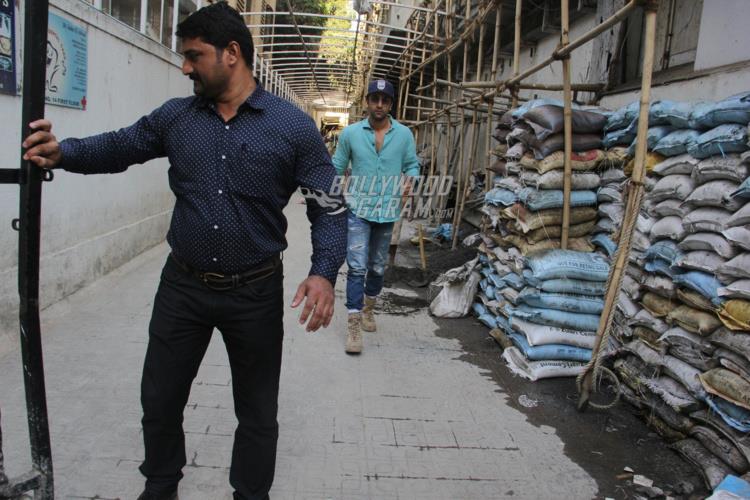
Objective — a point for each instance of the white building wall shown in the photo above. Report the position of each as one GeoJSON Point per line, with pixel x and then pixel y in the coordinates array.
{"type": "Point", "coordinates": [92, 224]}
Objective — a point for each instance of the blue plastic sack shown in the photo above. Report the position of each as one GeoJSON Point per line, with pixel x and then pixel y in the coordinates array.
{"type": "Point", "coordinates": [444, 231]}
{"type": "Point", "coordinates": [536, 200]}
{"type": "Point", "coordinates": [735, 416]}
{"type": "Point", "coordinates": [664, 249]}
{"type": "Point", "coordinates": [551, 264]}
{"type": "Point", "coordinates": [479, 308]}
{"type": "Point", "coordinates": [743, 191]}
{"type": "Point", "coordinates": [500, 196]}
{"type": "Point", "coordinates": [488, 320]}
{"type": "Point", "coordinates": [561, 319]}
{"type": "Point", "coordinates": [549, 351]}
{"type": "Point", "coordinates": [604, 242]}
{"type": "Point", "coordinates": [496, 280]}
{"type": "Point", "coordinates": [577, 287]}
{"type": "Point", "coordinates": [490, 292]}
{"type": "Point", "coordinates": [674, 113]}
{"type": "Point", "coordinates": [503, 323]}
{"type": "Point", "coordinates": [661, 266]}
{"type": "Point", "coordinates": [737, 487]}
{"type": "Point", "coordinates": [654, 135]}
{"type": "Point", "coordinates": [514, 281]}
{"type": "Point", "coordinates": [622, 117]}
{"type": "Point", "coordinates": [722, 140]}
{"type": "Point", "coordinates": [483, 259]}
{"type": "Point", "coordinates": [703, 283]}
{"type": "Point", "coordinates": [733, 109]}
{"type": "Point", "coordinates": [487, 271]}
{"type": "Point", "coordinates": [562, 302]}
{"type": "Point", "coordinates": [619, 137]}
{"type": "Point", "coordinates": [676, 142]}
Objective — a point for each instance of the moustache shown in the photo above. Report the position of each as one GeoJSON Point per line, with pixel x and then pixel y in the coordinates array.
{"type": "Point", "coordinates": [194, 77]}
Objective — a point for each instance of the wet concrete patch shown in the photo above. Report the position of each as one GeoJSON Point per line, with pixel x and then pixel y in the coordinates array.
{"type": "Point", "coordinates": [603, 443]}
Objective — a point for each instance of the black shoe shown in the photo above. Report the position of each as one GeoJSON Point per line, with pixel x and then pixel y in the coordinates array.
{"type": "Point", "coordinates": [147, 495]}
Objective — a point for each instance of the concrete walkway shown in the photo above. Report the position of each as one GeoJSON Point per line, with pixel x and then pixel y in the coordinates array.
{"type": "Point", "coordinates": [407, 419]}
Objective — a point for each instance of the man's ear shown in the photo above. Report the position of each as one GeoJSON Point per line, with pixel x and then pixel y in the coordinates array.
{"type": "Point", "coordinates": [233, 52]}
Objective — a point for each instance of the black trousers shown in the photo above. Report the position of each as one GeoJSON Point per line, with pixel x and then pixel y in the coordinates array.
{"type": "Point", "coordinates": [250, 321]}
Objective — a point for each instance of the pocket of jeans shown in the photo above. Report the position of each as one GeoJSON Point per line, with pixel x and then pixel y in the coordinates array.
{"type": "Point", "coordinates": [171, 273]}
{"type": "Point", "coordinates": [264, 287]}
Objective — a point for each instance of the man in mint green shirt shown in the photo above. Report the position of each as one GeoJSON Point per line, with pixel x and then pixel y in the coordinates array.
{"type": "Point", "coordinates": [384, 162]}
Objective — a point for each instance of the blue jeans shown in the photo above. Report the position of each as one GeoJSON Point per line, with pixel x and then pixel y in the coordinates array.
{"type": "Point", "coordinates": [367, 251]}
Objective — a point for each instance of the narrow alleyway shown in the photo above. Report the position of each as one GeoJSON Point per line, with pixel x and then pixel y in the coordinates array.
{"type": "Point", "coordinates": [419, 415]}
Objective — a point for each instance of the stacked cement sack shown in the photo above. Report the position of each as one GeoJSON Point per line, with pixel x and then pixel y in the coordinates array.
{"type": "Point", "coordinates": [684, 312]}
{"type": "Point", "coordinates": [532, 294]}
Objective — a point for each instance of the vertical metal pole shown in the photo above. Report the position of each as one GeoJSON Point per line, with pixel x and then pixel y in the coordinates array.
{"type": "Point", "coordinates": [34, 69]}
{"type": "Point", "coordinates": [175, 18]}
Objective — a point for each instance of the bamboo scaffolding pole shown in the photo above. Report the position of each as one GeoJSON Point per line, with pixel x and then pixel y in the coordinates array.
{"type": "Point", "coordinates": [448, 27]}
{"type": "Point", "coordinates": [517, 48]}
{"type": "Point", "coordinates": [633, 205]}
{"type": "Point", "coordinates": [469, 28]}
{"type": "Point", "coordinates": [433, 132]}
{"type": "Point", "coordinates": [461, 186]}
{"type": "Point", "coordinates": [582, 87]}
{"type": "Point", "coordinates": [488, 174]}
{"type": "Point", "coordinates": [567, 124]}
{"type": "Point", "coordinates": [459, 170]}
{"type": "Point", "coordinates": [556, 54]}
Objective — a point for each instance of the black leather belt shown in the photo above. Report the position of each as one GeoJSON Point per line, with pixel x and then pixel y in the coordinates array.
{"type": "Point", "coordinates": [219, 281]}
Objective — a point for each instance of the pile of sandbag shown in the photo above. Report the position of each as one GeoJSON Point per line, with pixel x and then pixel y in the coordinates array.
{"type": "Point", "coordinates": [525, 204]}
{"type": "Point", "coordinates": [684, 310]}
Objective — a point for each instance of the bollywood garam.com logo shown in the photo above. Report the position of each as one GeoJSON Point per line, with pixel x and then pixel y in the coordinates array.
{"type": "Point", "coordinates": [386, 197]}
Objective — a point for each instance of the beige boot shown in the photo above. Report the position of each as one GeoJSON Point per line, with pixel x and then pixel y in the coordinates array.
{"type": "Point", "coordinates": [368, 315]}
{"type": "Point", "coordinates": [354, 337]}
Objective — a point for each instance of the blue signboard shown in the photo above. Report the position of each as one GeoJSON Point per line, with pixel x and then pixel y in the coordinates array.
{"type": "Point", "coordinates": [67, 62]}
{"type": "Point", "coordinates": [7, 47]}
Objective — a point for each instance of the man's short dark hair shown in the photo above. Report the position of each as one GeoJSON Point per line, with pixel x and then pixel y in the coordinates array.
{"type": "Point", "coordinates": [219, 24]}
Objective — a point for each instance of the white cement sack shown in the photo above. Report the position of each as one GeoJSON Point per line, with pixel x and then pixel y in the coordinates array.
{"type": "Point", "coordinates": [706, 219]}
{"type": "Point", "coordinates": [727, 167]}
{"type": "Point", "coordinates": [738, 267]}
{"type": "Point", "coordinates": [459, 286]}
{"type": "Point", "coordinates": [672, 186]}
{"type": "Point", "coordinates": [714, 194]}
{"type": "Point", "coordinates": [738, 289]}
{"type": "Point", "coordinates": [537, 370]}
{"type": "Point", "coordinates": [668, 228]}
{"type": "Point", "coordinates": [740, 218]}
{"type": "Point", "coordinates": [738, 236]}
{"type": "Point", "coordinates": [701, 260]}
{"type": "Point", "coordinates": [544, 335]}
{"type": "Point", "coordinates": [676, 165]}
{"type": "Point", "coordinates": [708, 242]}
{"type": "Point", "coordinates": [670, 207]}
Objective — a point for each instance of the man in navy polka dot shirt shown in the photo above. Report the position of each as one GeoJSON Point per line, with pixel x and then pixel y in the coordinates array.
{"type": "Point", "coordinates": [237, 154]}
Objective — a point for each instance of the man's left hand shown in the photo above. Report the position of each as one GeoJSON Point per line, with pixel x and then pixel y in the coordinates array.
{"type": "Point", "coordinates": [320, 299]}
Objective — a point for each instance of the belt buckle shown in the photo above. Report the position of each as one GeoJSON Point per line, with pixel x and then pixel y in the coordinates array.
{"type": "Point", "coordinates": [210, 280]}
{"type": "Point", "coordinates": [208, 276]}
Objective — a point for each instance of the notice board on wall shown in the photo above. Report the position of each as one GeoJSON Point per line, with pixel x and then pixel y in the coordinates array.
{"type": "Point", "coordinates": [67, 62]}
{"type": "Point", "coordinates": [7, 47]}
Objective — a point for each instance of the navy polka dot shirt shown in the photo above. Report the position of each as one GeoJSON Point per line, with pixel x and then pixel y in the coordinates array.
{"type": "Point", "coordinates": [232, 179]}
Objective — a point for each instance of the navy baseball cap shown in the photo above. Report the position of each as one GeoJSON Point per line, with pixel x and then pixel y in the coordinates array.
{"type": "Point", "coordinates": [382, 86]}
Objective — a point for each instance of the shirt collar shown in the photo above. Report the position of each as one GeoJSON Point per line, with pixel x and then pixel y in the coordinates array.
{"type": "Point", "coordinates": [366, 124]}
{"type": "Point", "coordinates": [257, 100]}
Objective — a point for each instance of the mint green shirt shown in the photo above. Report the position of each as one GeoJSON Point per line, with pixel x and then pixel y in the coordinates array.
{"type": "Point", "coordinates": [374, 186]}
